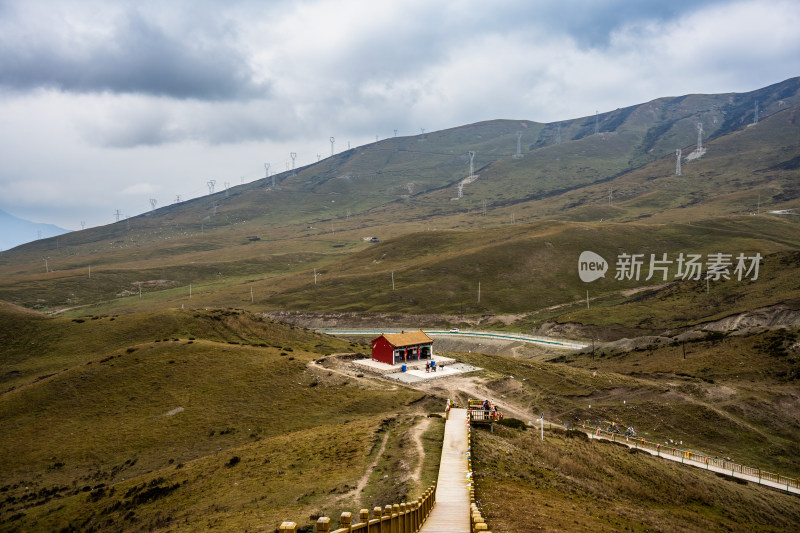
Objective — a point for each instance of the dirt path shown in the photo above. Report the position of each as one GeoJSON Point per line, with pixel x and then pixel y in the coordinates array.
{"type": "Point", "coordinates": [369, 382]}
{"type": "Point", "coordinates": [362, 483]}
{"type": "Point", "coordinates": [474, 387]}
{"type": "Point", "coordinates": [415, 434]}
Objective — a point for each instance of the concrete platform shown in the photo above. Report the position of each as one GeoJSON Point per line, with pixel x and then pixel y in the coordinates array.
{"type": "Point", "coordinates": [376, 367]}
{"type": "Point", "coordinates": [416, 375]}
{"type": "Point", "coordinates": [415, 370]}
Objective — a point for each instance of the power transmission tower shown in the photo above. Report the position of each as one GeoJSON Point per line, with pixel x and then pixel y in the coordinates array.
{"type": "Point", "coordinates": [699, 137]}
{"type": "Point", "coordinates": [83, 224]}
{"type": "Point", "coordinates": [227, 184]}
{"type": "Point", "coordinates": [117, 214]}
{"type": "Point", "coordinates": [610, 196]}
{"type": "Point", "coordinates": [558, 134]}
{"type": "Point", "coordinates": [518, 155]}
{"type": "Point", "coordinates": [215, 209]}
{"type": "Point", "coordinates": [178, 199]}
{"type": "Point", "coordinates": [678, 162]}
{"type": "Point", "coordinates": [471, 167]}
{"type": "Point", "coordinates": [395, 133]}
{"type": "Point", "coordinates": [266, 170]}
{"type": "Point", "coordinates": [755, 114]}
{"type": "Point", "coordinates": [211, 184]}
{"type": "Point", "coordinates": [293, 155]}
{"type": "Point", "coordinates": [153, 203]}
{"type": "Point", "coordinates": [333, 140]}
{"type": "Point", "coordinates": [460, 189]}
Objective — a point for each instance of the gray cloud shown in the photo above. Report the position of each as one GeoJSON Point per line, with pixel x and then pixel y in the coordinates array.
{"type": "Point", "coordinates": [97, 96]}
{"type": "Point", "coordinates": [134, 55]}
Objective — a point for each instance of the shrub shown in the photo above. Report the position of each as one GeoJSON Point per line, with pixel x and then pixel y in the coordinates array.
{"type": "Point", "coordinates": [514, 423]}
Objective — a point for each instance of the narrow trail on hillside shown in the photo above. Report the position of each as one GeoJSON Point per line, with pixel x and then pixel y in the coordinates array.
{"type": "Point", "coordinates": [415, 434]}
{"type": "Point", "coordinates": [370, 382]}
{"type": "Point", "coordinates": [362, 483]}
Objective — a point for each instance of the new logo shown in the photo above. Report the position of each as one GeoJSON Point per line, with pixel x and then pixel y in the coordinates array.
{"type": "Point", "coordinates": [591, 266]}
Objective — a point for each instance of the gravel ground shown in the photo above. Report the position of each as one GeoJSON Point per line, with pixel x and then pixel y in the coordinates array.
{"type": "Point", "coordinates": [415, 376]}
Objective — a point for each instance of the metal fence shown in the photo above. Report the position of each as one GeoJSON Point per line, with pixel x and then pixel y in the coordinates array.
{"type": "Point", "coordinates": [694, 457]}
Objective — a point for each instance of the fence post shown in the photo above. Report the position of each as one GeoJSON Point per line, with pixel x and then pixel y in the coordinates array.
{"type": "Point", "coordinates": [390, 512]}
{"type": "Point", "coordinates": [288, 527]}
{"type": "Point", "coordinates": [363, 518]}
{"type": "Point", "coordinates": [323, 524]}
{"type": "Point", "coordinates": [346, 520]}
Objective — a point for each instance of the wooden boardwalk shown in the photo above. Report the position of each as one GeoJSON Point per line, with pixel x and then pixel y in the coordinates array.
{"type": "Point", "coordinates": [451, 512]}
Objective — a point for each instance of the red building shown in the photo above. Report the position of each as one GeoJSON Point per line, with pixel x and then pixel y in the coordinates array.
{"type": "Point", "coordinates": [391, 348]}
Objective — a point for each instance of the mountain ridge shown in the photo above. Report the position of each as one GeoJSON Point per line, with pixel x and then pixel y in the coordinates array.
{"type": "Point", "coordinates": [16, 231]}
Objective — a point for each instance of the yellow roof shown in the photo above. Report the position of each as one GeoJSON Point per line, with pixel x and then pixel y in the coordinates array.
{"type": "Point", "coordinates": [409, 338]}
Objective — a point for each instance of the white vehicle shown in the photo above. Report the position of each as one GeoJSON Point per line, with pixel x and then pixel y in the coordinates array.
{"type": "Point", "coordinates": [453, 330]}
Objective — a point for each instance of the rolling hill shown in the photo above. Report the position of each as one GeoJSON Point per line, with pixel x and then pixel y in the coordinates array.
{"type": "Point", "coordinates": [272, 239]}
{"type": "Point", "coordinates": [144, 388]}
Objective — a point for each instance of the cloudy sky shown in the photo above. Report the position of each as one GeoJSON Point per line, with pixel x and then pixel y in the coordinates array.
{"type": "Point", "coordinates": [105, 105]}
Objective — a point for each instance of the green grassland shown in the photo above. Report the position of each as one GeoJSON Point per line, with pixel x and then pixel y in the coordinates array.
{"type": "Point", "coordinates": [154, 395]}
{"type": "Point", "coordinates": [573, 484]}
{"type": "Point", "coordinates": [93, 438]}
{"type": "Point", "coordinates": [439, 255]}
{"type": "Point", "coordinates": [103, 405]}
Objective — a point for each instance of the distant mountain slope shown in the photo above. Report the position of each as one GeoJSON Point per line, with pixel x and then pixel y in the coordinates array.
{"type": "Point", "coordinates": [15, 231]}
{"type": "Point", "coordinates": [617, 167]}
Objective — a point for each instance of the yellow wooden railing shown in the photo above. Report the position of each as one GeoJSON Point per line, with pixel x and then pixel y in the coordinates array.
{"type": "Point", "coordinates": [476, 521]}
{"type": "Point", "coordinates": [405, 517]}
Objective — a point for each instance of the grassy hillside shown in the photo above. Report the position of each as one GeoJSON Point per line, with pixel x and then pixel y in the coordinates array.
{"type": "Point", "coordinates": [572, 484]}
{"type": "Point", "coordinates": [728, 398]}
{"type": "Point", "coordinates": [732, 396]}
{"type": "Point", "coordinates": [188, 420]}
{"type": "Point", "coordinates": [271, 239]}
{"type": "Point", "coordinates": [133, 422]}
